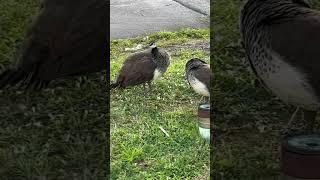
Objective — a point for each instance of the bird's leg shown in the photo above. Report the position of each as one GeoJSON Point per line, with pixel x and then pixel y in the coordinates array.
{"type": "Point", "coordinates": [145, 90]}
{"type": "Point", "coordinates": [204, 99]}
{"type": "Point", "coordinates": [309, 117]}
{"type": "Point", "coordinates": [149, 84]}
{"type": "Point", "coordinates": [289, 125]}
{"type": "Point", "coordinates": [293, 116]}
{"type": "Point", "coordinates": [207, 99]}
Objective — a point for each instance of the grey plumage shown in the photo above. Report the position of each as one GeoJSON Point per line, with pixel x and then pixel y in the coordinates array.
{"type": "Point", "coordinates": [142, 67]}
{"type": "Point", "coordinates": [66, 38]}
{"type": "Point", "coordinates": [197, 73]}
{"type": "Point", "coordinates": [281, 39]}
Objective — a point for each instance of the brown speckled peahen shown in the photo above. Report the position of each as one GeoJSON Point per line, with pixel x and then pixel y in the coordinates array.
{"type": "Point", "coordinates": [281, 39]}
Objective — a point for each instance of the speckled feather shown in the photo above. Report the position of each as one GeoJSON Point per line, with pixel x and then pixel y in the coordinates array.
{"type": "Point", "coordinates": [281, 41]}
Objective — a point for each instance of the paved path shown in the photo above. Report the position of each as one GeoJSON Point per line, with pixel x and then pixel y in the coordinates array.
{"type": "Point", "coordinates": [131, 18]}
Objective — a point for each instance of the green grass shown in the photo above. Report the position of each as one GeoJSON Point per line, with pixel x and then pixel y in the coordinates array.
{"type": "Point", "coordinates": [139, 149]}
{"type": "Point", "coordinates": [58, 133]}
{"type": "Point", "coordinates": [248, 118]}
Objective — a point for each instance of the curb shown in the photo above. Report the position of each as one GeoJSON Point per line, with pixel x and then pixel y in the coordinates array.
{"type": "Point", "coordinates": [191, 7]}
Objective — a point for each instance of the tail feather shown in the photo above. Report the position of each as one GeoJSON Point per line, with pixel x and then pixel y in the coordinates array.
{"type": "Point", "coordinates": [33, 80]}
{"type": "Point", "coordinates": [117, 83]}
{"type": "Point", "coordinates": [15, 79]}
{"type": "Point", "coordinates": [12, 77]}
{"type": "Point", "coordinates": [114, 85]}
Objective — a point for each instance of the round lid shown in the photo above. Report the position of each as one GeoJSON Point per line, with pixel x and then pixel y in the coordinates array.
{"type": "Point", "coordinates": [204, 106]}
{"type": "Point", "coordinates": [303, 144]}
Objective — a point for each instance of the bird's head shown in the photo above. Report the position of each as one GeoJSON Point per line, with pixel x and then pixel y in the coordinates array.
{"type": "Point", "coordinates": [194, 62]}
{"type": "Point", "coordinates": [153, 44]}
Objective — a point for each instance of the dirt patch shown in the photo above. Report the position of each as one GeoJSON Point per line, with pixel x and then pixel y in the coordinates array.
{"type": "Point", "coordinates": [199, 45]}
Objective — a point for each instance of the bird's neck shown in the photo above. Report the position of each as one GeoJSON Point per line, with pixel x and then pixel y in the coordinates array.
{"type": "Point", "coordinates": [159, 58]}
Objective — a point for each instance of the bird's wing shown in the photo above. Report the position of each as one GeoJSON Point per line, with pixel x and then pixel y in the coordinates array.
{"type": "Point", "coordinates": [297, 42]}
{"type": "Point", "coordinates": [82, 47]}
{"type": "Point", "coordinates": [202, 73]}
{"type": "Point", "coordinates": [138, 71]}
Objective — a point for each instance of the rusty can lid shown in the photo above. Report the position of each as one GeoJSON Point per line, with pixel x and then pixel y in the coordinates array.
{"type": "Point", "coordinates": [204, 110]}
{"type": "Point", "coordinates": [300, 156]}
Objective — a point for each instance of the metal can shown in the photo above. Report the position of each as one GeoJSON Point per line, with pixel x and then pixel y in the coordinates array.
{"type": "Point", "coordinates": [204, 120]}
{"type": "Point", "coordinates": [300, 157]}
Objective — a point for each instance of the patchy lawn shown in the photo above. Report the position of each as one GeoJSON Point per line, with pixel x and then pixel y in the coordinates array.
{"type": "Point", "coordinates": [249, 119]}
{"type": "Point", "coordinates": [139, 149]}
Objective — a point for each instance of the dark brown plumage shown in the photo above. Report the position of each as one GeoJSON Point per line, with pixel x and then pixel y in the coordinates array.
{"type": "Point", "coordinates": [142, 67]}
{"type": "Point", "coordinates": [66, 38]}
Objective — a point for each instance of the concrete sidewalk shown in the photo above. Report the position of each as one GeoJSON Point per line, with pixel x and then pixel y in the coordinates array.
{"type": "Point", "coordinates": [131, 18]}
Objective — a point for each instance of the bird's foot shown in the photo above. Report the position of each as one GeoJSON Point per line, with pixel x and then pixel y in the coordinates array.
{"type": "Point", "coordinates": [309, 118]}
{"type": "Point", "coordinates": [145, 94]}
{"type": "Point", "coordinates": [290, 131]}
{"type": "Point", "coordinates": [205, 99]}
